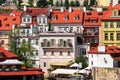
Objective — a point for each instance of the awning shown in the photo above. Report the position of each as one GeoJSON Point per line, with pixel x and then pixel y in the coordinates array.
{"type": "Point", "coordinates": [11, 61]}
{"type": "Point", "coordinates": [83, 71]}
{"type": "Point", "coordinates": [74, 65]}
{"type": "Point", "coordinates": [62, 63]}
{"type": "Point", "coordinates": [64, 71]}
{"type": "Point", "coordinates": [21, 73]}
{"type": "Point", "coordinates": [25, 4]}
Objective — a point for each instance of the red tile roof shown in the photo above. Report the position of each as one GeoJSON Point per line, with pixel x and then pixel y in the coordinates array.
{"type": "Point", "coordinates": [21, 73]}
{"type": "Point", "coordinates": [109, 13]}
{"type": "Point", "coordinates": [93, 15]}
{"type": "Point", "coordinates": [60, 16]}
{"type": "Point", "coordinates": [8, 55]}
{"type": "Point", "coordinates": [112, 50]}
{"type": "Point", "coordinates": [108, 50]}
{"type": "Point", "coordinates": [7, 20]}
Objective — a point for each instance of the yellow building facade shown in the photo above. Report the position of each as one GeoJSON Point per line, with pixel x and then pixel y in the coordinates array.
{"type": "Point", "coordinates": [111, 28]}
{"type": "Point", "coordinates": [103, 2]}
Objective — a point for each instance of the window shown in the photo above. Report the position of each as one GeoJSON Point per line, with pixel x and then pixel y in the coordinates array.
{"type": "Point", "coordinates": [61, 53]}
{"type": "Point", "coordinates": [44, 64]}
{"type": "Point", "coordinates": [24, 19]}
{"type": "Point", "coordinates": [71, 29]}
{"type": "Point", "coordinates": [91, 62]}
{"type": "Point", "coordinates": [118, 36]}
{"type": "Point", "coordinates": [68, 53]}
{"type": "Point", "coordinates": [36, 52]}
{"type": "Point", "coordinates": [39, 20]}
{"type": "Point", "coordinates": [77, 29]}
{"type": "Point", "coordinates": [106, 36]}
{"type": "Point", "coordinates": [115, 13]}
{"type": "Point", "coordinates": [111, 25]}
{"type": "Point", "coordinates": [44, 20]}
{"type": "Point", "coordinates": [83, 51]}
{"type": "Point", "coordinates": [118, 24]}
{"type": "Point", "coordinates": [61, 42]}
{"type": "Point", "coordinates": [65, 43]}
{"type": "Point", "coordinates": [106, 24]}
{"type": "Point", "coordinates": [52, 42]}
{"type": "Point", "coordinates": [111, 36]}
{"type": "Point", "coordinates": [7, 25]}
{"type": "Point", "coordinates": [36, 41]}
{"type": "Point", "coordinates": [28, 19]}
{"type": "Point", "coordinates": [45, 53]}
{"type": "Point", "coordinates": [76, 18]}
{"type": "Point", "coordinates": [65, 17]}
{"type": "Point", "coordinates": [52, 53]}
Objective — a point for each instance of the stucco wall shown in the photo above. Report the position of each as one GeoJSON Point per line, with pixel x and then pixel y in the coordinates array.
{"type": "Point", "coordinates": [106, 74]}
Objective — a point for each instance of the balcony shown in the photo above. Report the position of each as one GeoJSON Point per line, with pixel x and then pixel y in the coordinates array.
{"type": "Point", "coordinates": [91, 34]}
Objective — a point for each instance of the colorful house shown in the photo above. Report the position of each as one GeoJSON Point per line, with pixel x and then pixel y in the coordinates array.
{"type": "Point", "coordinates": [67, 20]}
{"type": "Point", "coordinates": [92, 27]}
{"type": "Point", "coordinates": [11, 68]}
{"type": "Point", "coordinates": [111, 26]}
{"type": "Point", "coordinates": [104, 56]}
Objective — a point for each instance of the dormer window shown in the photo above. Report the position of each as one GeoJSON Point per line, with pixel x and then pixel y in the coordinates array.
{"type": "Point", "coordinates": [7, 25]}
{"type": "Point", "coordinates": [66, 17]}
{"type": "Point", "coordinates": [5, 19]}
{"type": "Point", "coordinates": [14, 19]}
{"type": "Point", "coordinates": [100, 13]}
{"type": "Point", "coordinates": [54, 17]}
{"type": "Point", "coordinates": [76, 18]}
{"type": "Point", "coordinates": [89, 13]}
{"type": "Point", "coordinates": [115, 13]}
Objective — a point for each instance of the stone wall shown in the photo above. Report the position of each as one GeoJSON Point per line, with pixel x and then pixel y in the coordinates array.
{"type": "Point", "coordinates": [106, 73]}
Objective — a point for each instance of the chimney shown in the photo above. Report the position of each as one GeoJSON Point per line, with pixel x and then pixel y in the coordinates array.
{"type": "Point", "coordinates": [115, 2]}
{"type": "Point", "coordinates": [101, 48]}
{"type": "Point", "coordinates": [99, 9]}
{"type": "Point", "coordinates": [70, 9]}
{"type": "Point", "coordinates": [62, 9]}
{"type": "Point", "coordinates": [84, 9]}
{"type": "Point", "coordinates": [25, 8]}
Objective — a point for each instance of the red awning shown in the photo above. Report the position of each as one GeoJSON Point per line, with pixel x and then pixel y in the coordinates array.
{"type": "Point", "coordinates": [22, 73]}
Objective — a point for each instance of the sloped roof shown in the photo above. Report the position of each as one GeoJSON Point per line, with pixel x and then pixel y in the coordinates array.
{"type": "Point", "coordinates": [60, 16]}
{"type": "Point", "coordinates": [114, 51]}
{"type": "Point", "coordinates": [93, 15]}
{"type": "Point", "coordinates": [7, 54]}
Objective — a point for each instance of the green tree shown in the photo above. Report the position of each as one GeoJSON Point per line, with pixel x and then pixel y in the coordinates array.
{"type": "Point", "coordinates": [49, 26]}
{"type": "Point", "coordinates": [85, 3]}
{"type": "Point", "coordinates": [42, 3]}
{"type": "Point", "coordinates": [72, 3]}
{"type": "Point", "coordinates": [57, 3]}
{"type": "Point", "coordinates": [19, 4]}
{"type": "Point", "coordinates": [66, 4]}
{"type": "Point", "coordinates": [24, 50]}
{"type": "Point", "coordinates": [61, 3]}
{"type": "Point", "coordinates": [30, 2]}
{"type": "Point", "coordinates": [83, 60]}
{"type": "Point", "coordinates": [92, 2]}
{"type": "Point", "coordinates": [50, 2]}
{"type": "Point", "coordinates": [77, 3]}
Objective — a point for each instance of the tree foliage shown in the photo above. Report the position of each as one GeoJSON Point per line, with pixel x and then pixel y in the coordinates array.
{"type": "Point", "coordinates": [72, 3]}
{"type": "Point", "coordinates": [77, 3]}
{"type": "Point", "coordinates": [19, 4]}
{"type": "Point", "coordinates": [66, 4]}
{"type": "Point", "coordinates": [23, 49]}
{"type": "Point", "coordinates": [30, 2]}
{"type": "Point", "coordinates": [57, 3]}
{"type": "Point", "coordinates": [92, 2]}
{"type": "Point", "coordinates": [83, 60]}
{"type": "Point", "coordinates": [50, 2]}
{"type": "Point", "coordinates": [42, 3]}
{"type": "Point", "coordinates": [85, 3]}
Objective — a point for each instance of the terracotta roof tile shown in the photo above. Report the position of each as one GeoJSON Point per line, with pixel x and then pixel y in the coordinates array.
{"type": "Point", "coordinates": [71, 16]}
